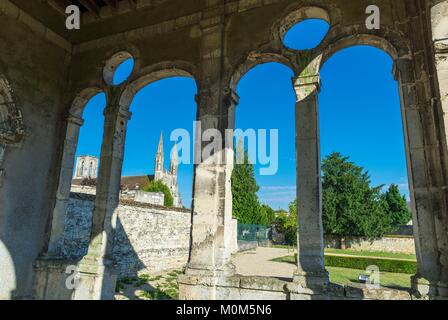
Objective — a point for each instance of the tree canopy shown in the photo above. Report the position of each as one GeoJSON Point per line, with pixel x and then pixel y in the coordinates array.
{"type": "Point", "coordinates": [246, 205]}
{"type": "Point", "coordinates": [351, 207]}
{"type": "Point", "coordinates": [396, 206]}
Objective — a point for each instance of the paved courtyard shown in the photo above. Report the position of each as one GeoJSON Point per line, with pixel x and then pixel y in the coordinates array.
{"type": "Point", "coordinates": [258, 263]}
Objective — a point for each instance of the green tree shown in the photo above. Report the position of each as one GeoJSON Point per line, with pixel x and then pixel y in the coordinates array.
{"type": "Point", "coordinates": [246, 206]}
{"type": "Point", "coordinates": [350, 206]}
{"type": "Point", "coordinates": [286, 223]}
{"type": "Point", "coordinates": [159, 186]}
{"type": "Point", "coordinates": [267, 215]}
{"type": "Point", "coordinates": [396, 206]}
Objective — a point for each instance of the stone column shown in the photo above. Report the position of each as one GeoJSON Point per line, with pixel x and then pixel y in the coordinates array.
{"type": "Point", "coordinates": [209, 260]}
{"type": "Point", "coordinates": [64, 186]}
{"type": "Point", "coordinates": [231, 101]}
{"type": "Point", "coordinates": [439, 25]}
{"type": "Point", "coordinates": [212, 204]}
{"type": "Point", "coordinates": [423, 164]}
{"type": "Point", "coordinates": [96, 268]}
{"type": "Point", "coordinates": [310, 271]}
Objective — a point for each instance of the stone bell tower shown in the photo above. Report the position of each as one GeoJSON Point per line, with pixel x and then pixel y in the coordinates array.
{"type": "Point", "coordinates": [86, 167]}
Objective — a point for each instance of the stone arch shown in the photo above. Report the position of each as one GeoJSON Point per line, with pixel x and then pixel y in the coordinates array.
{"type": "Point", "coordinates": [74, 123]}
{"type": "Point", "coordinates": [419, 130]}
{"type": "Point", "coordinates": [297, 15]}
{"type": "Point", "coordinates": [112, 65]}
{"type": "Point", "coordinates": [254, 59]}
{"type": "Point", "coordinates": [152, 74]}
{"type": "Point", "coordinates": [80, 101]}
{"type": "Point", "coordinates": [367, 40]}
{"type": "Point", "coordinates": [310, 64]}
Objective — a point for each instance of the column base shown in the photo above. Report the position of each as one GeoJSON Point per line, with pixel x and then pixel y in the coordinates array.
{"type": "Point", "coordinates": [200, 282]}
{"type": "Point", "coordinates": [97, 279]}
{"type": "Point", "coordinates": [442, 290]}
{"type": "Point", "coordinates": [319, 280]}
{"type": "Point", "coordinates": [226, 270]}
{"type": "Point", "coordinates": [61, 279]}
{"type": "Point", "coordinates": [51, 278]}
{"type": "Point", "coordinates": [423, 288]}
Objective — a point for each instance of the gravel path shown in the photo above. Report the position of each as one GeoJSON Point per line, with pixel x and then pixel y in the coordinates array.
{"type": "Point", "coordinates": [257, 263]}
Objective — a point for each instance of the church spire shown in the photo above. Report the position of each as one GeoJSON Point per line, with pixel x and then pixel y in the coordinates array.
{"type": "Point", "coordinates": [174, 161]}
{"type": "Point", "coordinates": [158, 169]}
{"type": "Point", "coordinates": [160, 148]}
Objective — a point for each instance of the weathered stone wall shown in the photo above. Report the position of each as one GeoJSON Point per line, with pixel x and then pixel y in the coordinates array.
{"type": "Point", "coordinates": [397, 244]}
{"type": "Point", "coordinates": [148, 238]}
{"type": "Point", "coordinates": [36, 70]}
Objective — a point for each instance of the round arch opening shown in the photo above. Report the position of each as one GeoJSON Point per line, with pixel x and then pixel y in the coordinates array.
{"type": "Point", "coordinates": [306, 34]}
{"type": "Point", "coordinates": [118, 68]}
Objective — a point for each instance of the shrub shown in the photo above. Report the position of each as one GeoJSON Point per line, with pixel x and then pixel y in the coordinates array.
{"type": "Point", "coordinates": [384, 265]}
{"type": "Point", "coordinates": [361, 263]}
{"type": "Point", "coordinates": [159, 186]}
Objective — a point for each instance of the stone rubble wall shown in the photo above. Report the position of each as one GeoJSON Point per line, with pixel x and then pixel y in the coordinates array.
{"type": "Point", "coordinates": [393, 244]}
{"type": "Point", "coordinates": [156, 198]}
{"type": "Point", "coordinates": [148, 238]}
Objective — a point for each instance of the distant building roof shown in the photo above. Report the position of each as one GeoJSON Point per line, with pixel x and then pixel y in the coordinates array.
{"type": "Point", "coordinates": [127, 183]}
{"type": "Point", "coordinates": [135, 182]}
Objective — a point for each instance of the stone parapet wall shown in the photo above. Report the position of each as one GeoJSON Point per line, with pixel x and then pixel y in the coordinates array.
{"type": "Point", "coordinates": [150, 197]}
{"type": "Point", "coordinates": [239, 287]}
{"type": "Point", "coordinates": [83, 189]}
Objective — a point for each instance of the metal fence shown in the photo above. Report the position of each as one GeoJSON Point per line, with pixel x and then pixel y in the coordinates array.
{"type": "Point", "coordinates": [253, 233]}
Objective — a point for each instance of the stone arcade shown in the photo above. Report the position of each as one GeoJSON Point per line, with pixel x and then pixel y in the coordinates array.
{"type": "Point", "coordinates": [48, 73]}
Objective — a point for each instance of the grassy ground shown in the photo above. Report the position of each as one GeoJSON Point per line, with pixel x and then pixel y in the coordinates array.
{"type": "Point", "coordinates": [379, 254]}
{"type": "Point", "coordinates": [146, 287]}
{"type": "Point", "coordinates": [345, 276]}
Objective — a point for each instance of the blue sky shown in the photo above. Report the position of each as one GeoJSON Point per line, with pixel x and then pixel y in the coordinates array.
{"type": "Point", "coordinates": [359, 117]}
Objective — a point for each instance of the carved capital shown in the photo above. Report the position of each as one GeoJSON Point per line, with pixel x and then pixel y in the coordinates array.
{"type": "Point", "coordinates": [306, 86]}
{"type": "Point", "coordinates": [75, 120]}
{"type": "Point", "coordinates": [231, 98]}
{"type": "Point", "coordinates": [117, 111]}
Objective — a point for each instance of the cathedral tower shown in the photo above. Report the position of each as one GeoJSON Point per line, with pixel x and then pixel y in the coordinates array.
{"type": "Point", "coordinates": [159, 166]}
{"type": "Point", "coordinates": [174, 162]}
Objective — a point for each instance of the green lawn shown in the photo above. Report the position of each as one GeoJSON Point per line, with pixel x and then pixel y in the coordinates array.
{"type": "Point", "coordinates": [380, 254]}
{"type": "Point", "coordinates": [345, 276]}
{"type": "Point", "coordinates": [160, 287]}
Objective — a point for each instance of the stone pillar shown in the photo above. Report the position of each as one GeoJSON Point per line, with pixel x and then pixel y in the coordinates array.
{"type": "Point", "coordinates": [96, 268]}
{"type": "Point", "coordinates": [64, 186]}
{"type": "Point", "coordinates": [231, 101]}
{"type": "Point", "coordinates": [423, 163]}
{"type": "Point", "coordinates": [310, 271]}
{"type": "Point", "coordinates": [212, 205]}
{"type": "Point", "coordinates": [439, 25]}
{"type": "Point", "coordinates": [209, 260]}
